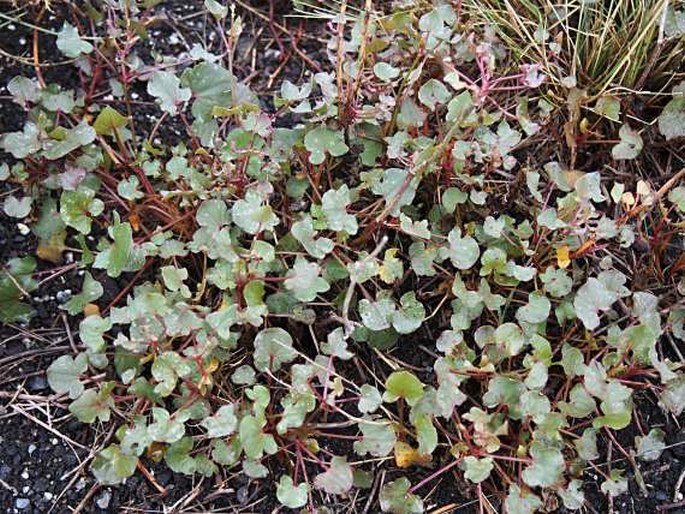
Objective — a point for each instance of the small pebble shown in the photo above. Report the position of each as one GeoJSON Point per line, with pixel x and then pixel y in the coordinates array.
{"type": "Point", "coordinates": [63, 296]}
{"type": "Point", "coordinates": [48, 495]}
{"type": "Point", "coordinates": [104, 499]}
{"type": "Point", "coordinates": [25, 474]}
{"type": "Point", "coordinates": [24, 230]}
{"type": "Point", "coordinates": [243, 495]}
{"type": "Point", "coordinates": [31, 448]}
{"type": "Point", "coordinates": [22, 503]}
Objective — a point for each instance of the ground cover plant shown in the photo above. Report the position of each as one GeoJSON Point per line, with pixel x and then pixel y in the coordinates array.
{"type": "Point", "coordinates": [450, 253]}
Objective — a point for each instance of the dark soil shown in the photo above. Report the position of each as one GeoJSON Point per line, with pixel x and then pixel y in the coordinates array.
{"type": "Point", "coordinates": [45, 453]}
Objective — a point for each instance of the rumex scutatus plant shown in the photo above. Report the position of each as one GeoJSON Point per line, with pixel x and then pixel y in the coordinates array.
{"type": "Point", "coordinates": [385, 203]}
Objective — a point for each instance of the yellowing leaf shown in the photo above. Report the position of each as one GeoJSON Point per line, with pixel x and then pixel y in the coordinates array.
{"type": "Point", "coordinates": [51, 249]}
{"type": "Point", "coordinates": [628, 199]}
{"type": "Point", "coordinates": [90, 309]}
{"type": "Point", "coordinates": [563, 257]}
{"type": "Point", "coordinates": [407, 456]}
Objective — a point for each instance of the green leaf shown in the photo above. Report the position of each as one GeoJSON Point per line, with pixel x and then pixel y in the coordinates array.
{"type": "Point", "coordinates": [609, 107]}
{"type": "Point", "coordinates": [291, 496]}
{"type": "Point", "coordinates": [411, 115]}
{"type": "Point", "coordinates": [253, 217]}
{"type": "Point", "coordinates": [322, 140]}
{"type": "Point", "coordinates": [573, 496]}
{"type": "Point", "coordinates": [580, 404]}
{"type": "Point", "coordinates": [409, 316]}
{"type": "Point", "coordinates": [77, 207]}
{"type": "Point", "coordinates": [476, 470]}
{"type": "Point", "coordinates": [165, 429]}
{"type": "Point", "coordinates": [630, 145]}
{"type": "Point", "coordinates": [213, 214]}
{"type": "Point", "coordinates": [369, 399]}
{"type": "Point", "coordinates": [304, 280]}
{"type": "Point", "coordinates": [91, 291]}
{"type": "Point", "coordinates": [111, 466]}
{"type": "Point", "coordinates": [178, 458]}
{"type": "Point", "coordinates": [166, 369]}
{"type": "Point", "coordinates": [460, 107]}
{"type": "Point", "coordinates": [337, 479]}
{"type": "Point", "coordinates": [253, 440]}
{"type": "Point", "coordinates": [414, 228]}
{"type": "Point", "coordinates": [615, 485]}
{"type": "Point", "coordinates": [217, 9]}
{"type": "Point", "coordinates": [109, 122]}
{"type": "Point", "coordinates": [392, 268]}
{"type": "Point", "coordinates": [71, 139]}
{"type": "Point", "coordinates": [377, 315]}
{"type": "Point", "coordinates": [547, 468]}
{"type": "Point", "coordinates": [673, 396]}
{"type": "Point", "coordinates": [426, 434]}
{"type": "Point", "coordinates": [64, 374]}
{"type": "Point", "coordinates": [244, 375]}
{"type": "Point", "coordinates": [128, 188]}
{"type": "Point", "coordinates": [24, 143]}
{"type": "Point", "coordinates": [336, 345]}
{"type": "Point", "coordinates": [396, 498]}
{"type": "Point", "coordinates": [463, 251]}
{"type": "Point", "coordinates": [510, 337]}
{"type": "Point", "coordinates": [115, 259]}
{"type": "Point", "coordinates": [303, 231]}
{"type": "Point", "coordinates": [385, 71]}
{"type": "Point", "coordinates": [296, 406]}
{"type": "Point", "coordinates": [437, 24]}
{"type": "Point", "coordinates": [93, 404]}
{"type": "Point", "coordinates": [23, 90]}
{"type": "Point", "coordinates": [91, 330]}
{"type": "Point", "coordinates": [592, 298]}
{"type": "Point", "coordinates": [334, 203]}
{"type": "Point", "coordinates": [556, 282]}
{"type": "Point", "coordinates": [224, 422]}
{"type": "Point", "coordinates": [586, 446]}
{"type": "Point", "coordinates": [394, 189]}
{"type": "Point", "coordinates": [70, 43]}
{"type": "Point", "coordinates": [432, 93]}
{"type": "Point", "coordinates": [56, 100]}
{"type": "Point", "coordinates": [378, 438]}
{"type": "Point", "coordinates": [173, 279]}
{"type": "Point", "coordinates": [403, 384]}
{"type": "Point", "coordinates": [672, 119]}
{"type": "Point", "coordinates": [273, 348]}
{"type": "Point", "coordinates": [536, 310]}
{"type": "Point", "coordinates": [165, 86]}
{"type": "Point", "coordinates": [17, 208]}
{"type": "Point", "coordinates": [521, 501]}
{"type": "Point", "coordinates": [650, 446]}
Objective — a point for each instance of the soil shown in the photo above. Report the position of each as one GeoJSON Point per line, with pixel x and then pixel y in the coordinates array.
{"type": "Point", "coordinates": [45, 453]}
